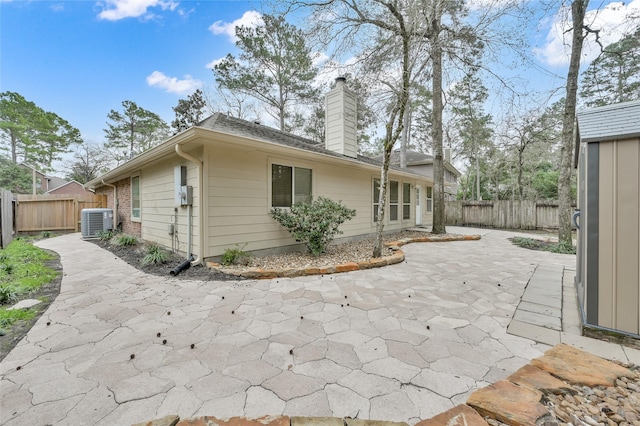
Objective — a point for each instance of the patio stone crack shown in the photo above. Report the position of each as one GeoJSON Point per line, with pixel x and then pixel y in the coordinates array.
{"type": "Point", "coordinates": [84, 394]}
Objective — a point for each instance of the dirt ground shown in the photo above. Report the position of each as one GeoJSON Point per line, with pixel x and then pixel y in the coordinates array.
{"type": "Point", "coordinates": [133, 255]}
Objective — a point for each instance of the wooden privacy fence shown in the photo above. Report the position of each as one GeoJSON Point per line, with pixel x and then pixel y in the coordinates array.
{"type": "Point", "coordinates": [503, 214]}
{"type": "Point", "coordinates": [7, 214]}
{"type": "Point", "coordinates": [50, 212]}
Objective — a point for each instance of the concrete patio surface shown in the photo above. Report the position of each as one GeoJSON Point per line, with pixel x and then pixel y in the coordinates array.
{"type": "Point", "coordinates": [400, 343]}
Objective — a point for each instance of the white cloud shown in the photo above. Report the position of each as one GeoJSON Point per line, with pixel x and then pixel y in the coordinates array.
{"type": "Point", "coordinates": [319, 58]}
{"type": "Point", "coordinates": [215, 62]}
{"type": "Point", "coordinates": [172, 84]}
{"type": "Point", "coordinates": [250, 18]}
{"type": "Point", "coordinates": [114, 10]}
{"type": "Point", "coordinates": [614, 21]}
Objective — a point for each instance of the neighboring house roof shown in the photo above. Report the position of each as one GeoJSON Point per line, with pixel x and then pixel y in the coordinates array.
{"type": "Point", "coordinates": [223, 124]}
{"type": "Point", "coordinates": [56, 182]}
{"type": "Point", "coordinates": [617, 121]}
{"type": "Point", "coordinates": [415, 158]}
{"type": "Point", "coordinates": [62, 187]}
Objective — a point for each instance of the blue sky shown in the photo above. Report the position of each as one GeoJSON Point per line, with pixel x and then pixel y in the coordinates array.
{"type": "Point", "coordinates": [68, 58]}
{"type": "Point", "coordinates": [80, 59]}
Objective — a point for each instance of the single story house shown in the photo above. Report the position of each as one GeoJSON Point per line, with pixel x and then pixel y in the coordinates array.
{"type": "Point", "coordinates": [608, 259]}
{"type": "Point", "coordinates": [212, 186]}
{"type": "Point", "coordinates": [421, 163]}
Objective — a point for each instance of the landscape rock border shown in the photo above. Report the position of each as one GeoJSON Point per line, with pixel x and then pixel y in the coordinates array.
{"type": "Point", "coordinates": [396, 257]}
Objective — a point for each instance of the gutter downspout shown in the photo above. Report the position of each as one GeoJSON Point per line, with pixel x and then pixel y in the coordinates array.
{"type": "Point", "coordinates": [115, 198]}
{"type": "Point", "coordinates": [198, 163]}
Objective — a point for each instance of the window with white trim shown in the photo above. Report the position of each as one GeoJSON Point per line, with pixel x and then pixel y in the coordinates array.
{"type": "Point", "coordinates": [376, 199]}
{"type": "Point", "coordinates": [135, 197]}
{"type": "Point", "coordinates": [394, 195]}
{"type": "Point", "coordinates": [406, 201]}
{"type": "Point", "coordinates": [290, 185]}
{"type": "Point", "coordinates": [429, 193]}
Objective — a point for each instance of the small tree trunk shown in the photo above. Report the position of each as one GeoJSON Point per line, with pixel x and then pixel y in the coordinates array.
{"type": "Point", "coordinates": [436, 132]}
{"type": "Point", "coordinates": [478, 193]}
{"type": "Point", "coordinates": [578, 9]}
{"type": "Point", "coordinates": [405, 138]}
{"type": "Point", "coordinates": [14, 148]}
{"type": "Point", "coordinates": [384, 177]}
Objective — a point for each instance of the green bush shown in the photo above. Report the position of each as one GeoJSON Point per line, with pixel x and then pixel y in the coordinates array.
{"type": "Point", "coordinates": [315, 223]}
{"type": "Point", "coordinates": [46, 234]}
{"type": "Point", "coordinates": [155, 254]}
{"type": "Point", "coordinates": [105, 235]}
{"type": "Point", "coordinates": [235, 256]}
{"type": "Point", "coordinates": [8, 294]}
{"type": "Point", "coordinates": [124, 240]}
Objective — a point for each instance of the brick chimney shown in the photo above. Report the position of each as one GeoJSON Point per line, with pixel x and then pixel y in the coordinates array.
{"type": "Point", "coordinates": [340, 120]}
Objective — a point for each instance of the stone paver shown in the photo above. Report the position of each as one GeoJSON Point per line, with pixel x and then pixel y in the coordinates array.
{"type": "Point", "coordinates": [279, 347]}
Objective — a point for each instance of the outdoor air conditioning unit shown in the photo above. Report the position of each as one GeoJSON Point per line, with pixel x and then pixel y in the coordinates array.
{"type": "Point", "coordinates": [94, 221]}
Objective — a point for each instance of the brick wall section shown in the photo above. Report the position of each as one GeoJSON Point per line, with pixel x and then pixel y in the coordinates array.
{"type": "Point", "coordinates": [123, 216]}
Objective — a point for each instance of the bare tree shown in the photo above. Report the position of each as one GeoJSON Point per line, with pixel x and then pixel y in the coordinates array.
{"type": "Point", "coordinates": [578, 11]}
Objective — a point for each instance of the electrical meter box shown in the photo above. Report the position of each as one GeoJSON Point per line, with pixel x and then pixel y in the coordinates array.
{"type": "Point", "coordinates": [186, 195]}
{"type": "Point", "coordinates": [180, 181]}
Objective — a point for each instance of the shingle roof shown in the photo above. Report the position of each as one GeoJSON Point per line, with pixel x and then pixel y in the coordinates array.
{"type": "Point", "coordinates": [617, 121]}
{"type": "Point", "coordinates": [224, 123]}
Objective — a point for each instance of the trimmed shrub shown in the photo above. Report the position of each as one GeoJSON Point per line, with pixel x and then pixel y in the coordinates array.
{"type": "Point", "coordinates": [315, 223]}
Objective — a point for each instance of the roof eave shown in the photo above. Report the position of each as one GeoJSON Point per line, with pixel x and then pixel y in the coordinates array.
{"type": "Point", "coordinates": [153, 154]}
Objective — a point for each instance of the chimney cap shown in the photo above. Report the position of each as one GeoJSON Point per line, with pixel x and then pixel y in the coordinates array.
{"type": "Point", "coordinates": [341, 79]}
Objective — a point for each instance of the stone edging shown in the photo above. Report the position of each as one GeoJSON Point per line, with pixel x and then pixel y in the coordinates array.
{"type": "Point", "coordinates": [516, 400]}
{"type": "Point", "coordinates": [396, 257]}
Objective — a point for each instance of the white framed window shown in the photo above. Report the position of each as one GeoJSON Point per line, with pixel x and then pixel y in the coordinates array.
{"type": "Point", "coordinates": [394, 198]}
{"type": "Point", "coordinates": [135, 198]}
{"type": "Point", "coordinates": [429, 197]}
{"type": "Point", "coordinates": [376, 199]}
{"type": "Point", "coordinates": [406, 201]}
{"type": "Point", "coordinates": [290, 185]}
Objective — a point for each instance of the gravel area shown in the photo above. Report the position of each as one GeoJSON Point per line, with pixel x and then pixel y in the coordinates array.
{"type": "Point", "coordinates": [356, 251]}
{"type": "Point", "coordinates": [599, 406]}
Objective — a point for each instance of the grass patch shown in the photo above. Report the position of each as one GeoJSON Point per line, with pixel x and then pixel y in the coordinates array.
{"type": "Point", "coordinates": [7, 318]}
{"type": "Point", "coordinates": [533, 244]}
{"type": "Point", "coordinates": [22, 270]}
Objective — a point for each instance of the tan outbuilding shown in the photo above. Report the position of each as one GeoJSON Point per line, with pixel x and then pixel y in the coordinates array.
{"type": "Point", "coordinates": [608, 262]}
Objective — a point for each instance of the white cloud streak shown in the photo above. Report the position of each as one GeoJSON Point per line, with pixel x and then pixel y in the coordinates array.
{"type": "Point", "coordinates": [250, 18]}
{"type": "Point", "coordinates": [115, 10]}
{"type": "Point", "coordinates": [172, 84]}
{"type": "Point", "coordinates": [614, 21]}
{"type": "Point", "coordinates": [215, 62]}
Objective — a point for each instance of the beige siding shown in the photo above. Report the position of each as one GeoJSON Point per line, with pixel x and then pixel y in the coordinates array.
{"type": "Point", "coordinates": [158, 204]}
{"type": "Point", "coordinates": [239, 198]}
{"type": "Point", "coordinates": [619, 241]}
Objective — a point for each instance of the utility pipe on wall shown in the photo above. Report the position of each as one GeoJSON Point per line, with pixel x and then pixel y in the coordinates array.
{"type": "Point", "coordinates": [115, 200]}
{"type": "Point", "coordinates": [198, 164]}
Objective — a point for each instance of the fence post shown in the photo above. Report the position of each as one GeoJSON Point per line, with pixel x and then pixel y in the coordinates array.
{"type": "Point", "coordinates": [76, 213]}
